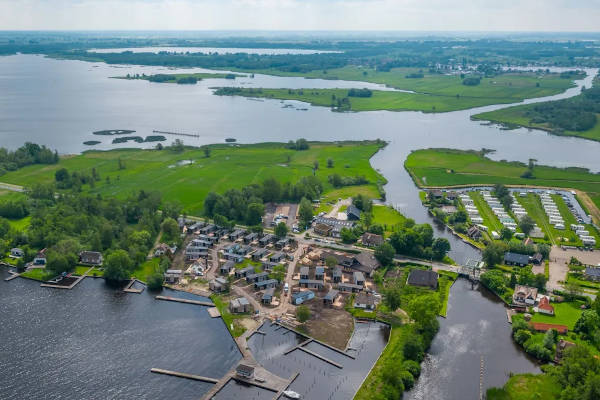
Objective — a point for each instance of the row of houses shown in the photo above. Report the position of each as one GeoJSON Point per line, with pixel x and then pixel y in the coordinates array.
{"type": "Point", "coordinates": [584, 235]}
{"type": "Point", "coordinates": [362, 300]}
{"type": "Point", "coordinates": [498, 209]}
{"type": "Point", "coordinates": [471, 210]}
{"type": "Point", "coordinates": [552, 211]}
{"type": "Point", "coordinates": [522, 260]}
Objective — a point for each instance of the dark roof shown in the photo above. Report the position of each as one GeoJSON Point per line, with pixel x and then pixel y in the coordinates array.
{"type": "Point", "coordinates": [353, 211]}
{"type": "Point", "coordinates": [268, 294]}
{"type": "Point", "coordinates": [365, 298]}
{"type": "Point", "coordinates": [92, 257]}
{"type": "Point", "coordinates": [247, 369]}
{"type": "Point", "coordinates": [337, 271]}
{"type": "Point", "coordinates": [266, 283]}
{"type": "Point", "coordinates": [304, 270]}
{"type": "Point", "coordinates": [331, 295]}
{"type": "Point", "coordinates": [538, 256]}
{"type": "Point", "coordinates": [419, 277]}
{"type": "Point", "coordinates": [358, 276]}
{"type": "Point", "coordinates": [229, 264]}
{"type": "Point", "coordinates": [516, 258]}
{"type": "Point", "coordinates": [371, 238]}
{"type": "Point", "coordinates": [592, 271]}
{"type": "Point", "coordinates": [313, 281]}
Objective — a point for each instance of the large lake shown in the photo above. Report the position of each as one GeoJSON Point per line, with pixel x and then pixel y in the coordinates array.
{"type": "Point", "coordinates": [60, 103]}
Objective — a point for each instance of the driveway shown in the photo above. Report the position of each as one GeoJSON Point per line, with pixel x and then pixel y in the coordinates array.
{"type": "Point", "coordinates": [559, 264]}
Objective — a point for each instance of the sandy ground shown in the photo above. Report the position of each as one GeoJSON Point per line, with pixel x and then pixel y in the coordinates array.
{"type": "Point", "coordinates": [559, 263]}
{"type": "Point", "coordinates": [330, 325]}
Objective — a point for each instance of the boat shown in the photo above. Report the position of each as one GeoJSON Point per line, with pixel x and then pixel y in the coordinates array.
{"type": "Point", "coordinates": [290, 394]}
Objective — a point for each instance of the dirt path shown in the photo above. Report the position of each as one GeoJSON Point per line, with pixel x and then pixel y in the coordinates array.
{"type": "Point", "coordinates": [559, 267]}
{"type": "Point", "coordinates": [336, 208]}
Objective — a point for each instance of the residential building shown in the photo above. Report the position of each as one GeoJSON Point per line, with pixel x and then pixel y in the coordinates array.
{"type": "Point", "coordinates": [304, 273]}
{"type": "Point", "coordinates": [520, 260]}
{"type": "Point", "coordinates": [544, 306]}
{"type": "Point", "coordinates": [266, 284]}
{"type": "Point", "coordinates": [337, 275]}
{"type": "Point", "coordinates": [364, 300]}
{"type": "Point", "coordinates": [261, 276]}
{"type": "Point", "coordinates": [524, 295]}
{"type": "Point", "coordinates": [302, 297]}
{"type": "Point", "coordinates": [371, 239]}
{"type": "Point", "coordinates": [251, 237]}
{"type": "Point", "coordinates": [353, 213]}
{"type": "Point", "coordinates": [267, 296]}
{"type": "Point", "coordinates": [218, 285]}
{"type": "Point", "coordinates": [320, 273]}
{"type": "Point", "coordinates": [311, 284]}
{"type": "Point", "coordinates": [592, 273]}
{"type": "Point", "coordinates": [423, 278]}
{"type": "Point", "coordinates": [542, 327]}
{"type": "Point", "coordinates": [260, 254]}
{"type": "Point", "coordinates": [227, 267]}
{"type": "Point", "coordinates": [358, 278]}
{"type": "Point", "coordinates": [349, 287]}
{"type": "Point", "coordinates": [323, 229]}
{"type": "Point", "coordinates": [90, 258]}
{"type": "Point", "coordinates": [244, 272]}
{"type": "Point", "coordinates": [173, 275]}
{"type": "Point", "coordinates": [330, 297]}
{"type": "Point", "coordinates": [245, 371]}
{"type": "Point", "coordinates": [267, 239]}
{"type": "Point", "coordinates": [239, 305]}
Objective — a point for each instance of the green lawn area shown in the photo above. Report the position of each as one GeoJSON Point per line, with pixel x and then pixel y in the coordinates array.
{"type": "Point", "coordinates": [80, 270]}
{"type": "Point", "coordinates": [445, 283]}
{"type": "Point", "coordinates": [145, 269]}
{"type": "Point", "coordinates": [566, 313]}
{"type": "Point", "coordinates": [228, 167]}
{"type": "Point", "coordinates": [387, 217]}
{"type": "Point", "coordinates": [39, 274]}
{"type": "Point", "coordinates": [527, 387]}
{"type": "Point", "coordinates": [257, 265]}
{"type": "Point", "coordinates": [447, 167]}
{"type": "Point", "coordinates": [20, 224]}
{"type": "Point", "coordinates": [236, 329]}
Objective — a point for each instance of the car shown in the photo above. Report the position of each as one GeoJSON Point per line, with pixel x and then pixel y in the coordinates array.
{"type": "Point", "coordinates": [286, 287]}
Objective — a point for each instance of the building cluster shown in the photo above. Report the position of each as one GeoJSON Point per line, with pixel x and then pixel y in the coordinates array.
{"type": "Point", "coordinates": [584, 235]}
{"type": "Point", "coordinates": [552, 211]}
{"type": "Point", "coordinates": [471, 209]}
{"type": "Point", "coordinates": [498, 209]}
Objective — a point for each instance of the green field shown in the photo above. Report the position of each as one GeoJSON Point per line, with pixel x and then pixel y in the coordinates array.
{"type": "Point", "coordinates": [227, 167]}
{"type": "Point", "coordinates": [565, 314]}
{"type": "Point", "coordinates": [527, 387]}
{"type": "Point", "coordinates": [387, 217]}
{"type": "Point", "coordinates": [20, 224]}
{"type": "Point", "coordinates": [174, 77]}
{"type": "Point", "coordinates": [38, 274]}
{"type": "Point", "coordinates": [446, 167]}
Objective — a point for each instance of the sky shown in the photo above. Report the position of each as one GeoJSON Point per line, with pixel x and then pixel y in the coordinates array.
{"type": "Point", "coordinates": [330, 15]}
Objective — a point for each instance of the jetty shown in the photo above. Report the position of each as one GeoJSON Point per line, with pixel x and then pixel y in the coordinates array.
{"type": "Point", "coordinates": [177, 133]}
{"type": "Point", "coordinates": [130, 289]}
{"type": "Point", "coordinates": [186, 301]}
{"type": "Point", "coordinates": [71, 286]}
{"type": "Point", "coordinates": [184, 375]}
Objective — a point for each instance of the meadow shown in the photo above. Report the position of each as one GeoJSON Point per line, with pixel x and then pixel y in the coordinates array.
{"type": "Point", "coordinates": [229, 166]}
{"type": "Point", "coordinates": [447, 167]}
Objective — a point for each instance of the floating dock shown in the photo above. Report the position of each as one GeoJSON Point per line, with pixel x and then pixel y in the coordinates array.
{"type": "Point", "coordinates": [186, 301]}
{"type": "Point", "coordinates": [184, 375]}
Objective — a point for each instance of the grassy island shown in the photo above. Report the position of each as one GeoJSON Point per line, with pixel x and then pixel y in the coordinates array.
{"type": "Point", "coordinates": [190, 78]}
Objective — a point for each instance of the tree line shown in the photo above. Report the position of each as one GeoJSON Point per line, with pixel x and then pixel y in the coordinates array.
{"type": "Point", "coordinates": [28, 154]}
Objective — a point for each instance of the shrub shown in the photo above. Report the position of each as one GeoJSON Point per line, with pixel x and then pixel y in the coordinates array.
{"type": "Point", "coordinates": [413, 367]}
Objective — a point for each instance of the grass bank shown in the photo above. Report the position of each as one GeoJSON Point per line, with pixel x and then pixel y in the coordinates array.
{"type": "Point", "coordinates": [527, 387]}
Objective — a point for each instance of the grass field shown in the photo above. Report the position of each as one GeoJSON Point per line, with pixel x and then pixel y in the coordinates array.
{"type": "Point", "coordinates": [228, 167]}
{"type": "Point", "coordinates": [446, 167]}
{"type": "Point", "coordinates": [236, 329]}
{"type": "Point", "coordinates": [145, 269]}
{"type": "Point", "coordinates": [565, 314]}
{"type": "Point", "coordinates": [39, 274]}
{"type": "Point", "coordinates": [387, 217]}
{"type": "Point", "coordinates": [20, 224]}
{"type": "Point", "coordinates": [527, 387]}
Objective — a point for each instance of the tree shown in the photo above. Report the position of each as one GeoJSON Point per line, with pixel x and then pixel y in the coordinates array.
{"type": "Point", "coordinates": [305, 212]}
{"type": "Point", "coordinates": [384, 253]}
{"type": "Point", "coordinates": [413, 348]}
{"type": "Point", "coordinates": [506, 234]}
{"type": "Point", "coordinates": [302, 314]}
{"type": "Point", "coordinates": [494, 254]}
{"type": "Point", "coordinates": [271, 190]}
{"type": "Point", "coordinates": [315, 165]}
{"type": "Point", "coordinates": [206, 150]}
{"type": "Point", "coordinates": [170, 229]}
{"type": "Point", "coordinates": [331, 262]}
{"type": "Point", "coordinates": [155, 281]}
{"type": "Point", "coordinates": [440, 247]}
{"type": "Point", "coordinates": [572, 289]}
{"type": "Point", "coordinates": [61, 175]}
{"type": "Point", "coordinates": [392, 298]}
{"type": "Point", "coordinates": [329, 163]}
{"type": "Point", "coordinates": [117, 266]}
{"type": "Point", "coordinates": [281, 230]}
{"type": "Point", "coordinates": [550, 339]}
{"type": "Point", "coordinates": [254, 214]}
{"type": "Point", "coordinates": [526, 224]}
{"type": "Point", "coordinates": [544, 250]}
{"type": "Point", "coordinates": [588, 323]}
{"type": "Point", "coordinates": [348, 236]}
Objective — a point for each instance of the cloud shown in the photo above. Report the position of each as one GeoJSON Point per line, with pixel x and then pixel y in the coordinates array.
{"type": "Point", "coordinates": [411, 15]}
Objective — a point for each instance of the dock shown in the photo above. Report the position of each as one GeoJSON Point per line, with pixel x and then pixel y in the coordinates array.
{"type": "Point", "coordinates": [186, 301]}
{"type": "Point", "coordinates": [288, 351]}
{"type": "Point", "coordinates": [129, 288]}
{"type": "Point", "coordinates": [330, 347]}
{"type": "Point", "coordinates": [79, 279]}
{"type": "Point", "coordinates": [12, 276]}
{"type": "Point", "coordinates": [214, 312]}
{"type": "Point", "coordinates": [320, 357]}
{"type": "Point", "coordinates": [184, 375]}
{"type": "Point", "coordinates": [177, 133]}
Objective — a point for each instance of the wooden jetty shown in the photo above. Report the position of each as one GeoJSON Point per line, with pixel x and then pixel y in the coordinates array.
{"type": "Point", "coordinates": [79, 279]}
{"type": "Point", "coordinates": [330, 347]}
{"type": "Point", "coordinates": [288, 351]}
{"type": "Point", "coordinates": [129, 288]}
{"type": "Point", "coordinates": [184, 375]}
{"type": "Point", "coordinates": [214, 312]}
{"type": "Point", "coordinates": [12, 276]}
{"type": "Point", "coordinates": [187, 301]}
{"type": "Point", "coordinates": [320, 357]}
{"type": "Point", "coordinates": [177, 133]}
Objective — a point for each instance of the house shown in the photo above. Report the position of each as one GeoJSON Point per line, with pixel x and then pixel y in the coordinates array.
{"type": "Point", "coordinates": [40, 258]}
{"type": "Point", "coordinates": [161, 250]}
{"type": "Point", "coordinates": [592, 273]}
{"type": "Point", "coordinates": [371, 239]}
{"type": "Point", "coordinates": [364, 300]}
{"type": "Point", "coordinates": [474, 233]}
{"type": "Point", "coordinates": [173, 275]}
{"type": "Point", "coordinates": [301, 297]}
{"type": "Point", "coordinates": [259, 254]}
{"type": "Point", "coordinates": [268, 265]}
{"type": "Point", "coordinates": [266, 284]}
{"type": "Point", "coordinates": [358, 278]}
{"type": "Point", "coordinates": [349, 287]}
{"type": "Point", "coordinates": [90, 258]}
{"type": "Point", "coordinates": [423, 278]}
{"type": "Point", "coordinates": [218, 285]}
{"type": "Point", "coordinates": [451, 195]}
{"type": "Point", "coordinates": [320, 273]}
{"type": "Point", "coordinates": [227, 267]}
{"type": "Point", "coordinates": [244, 272]}
{"type": "Point", "coordinates": [544, 306]}
{"type": "Point", "coordinates": [323, 229]}
{"type": "Point", "coordinates": [517, 259]}
{"type": "Point", "coordinates": [337, 275]}
{"type": "Point", "coordinates": [265, 240]}
{"type": "Point", "coordinates": [258, 277]}
{"type": "Point", "coordinates": [364, 261]}
{"type": "Point", "coordinates": [311, 284]}
{"type": "Point", "coordinates": [435, 194]}
{"type": "Point", "coordinates": [267, 296]}
{"type": "Point", "coordinates": [251, 237]}
{"type": "Point", "coordinates": [280, 244]}
{"type": "Point", "coordinates": [330, 297]}
{"type": "Point", "coordinates": [525, 295]}
{"type": "Point", "coordinates": [244, 371]}
{"type": "Point", "coordinates": [239, 305]}
{"type": "Point", "coordinates": [277, 257]}
{"type": "Point", "coordinates": [537, 258]}
{"type": "Point", "coordinates": [542, 327]}
{"type": "Point", "coordinates": [353, 213]}
{"type": "Point", "coordinates": [194, 253]}
{"type": "Point", "coordinates": [235, 258]}
{"type": "Point", "coordinates": [208, 229]}
{"type": "Point", "coordinates": [304, 273]}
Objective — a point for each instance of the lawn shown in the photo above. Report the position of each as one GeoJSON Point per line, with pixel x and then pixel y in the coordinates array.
{"type": "Point", "coordinates": [447, 167]}
{"type": "Point", "coordinates": [566, 313]}
{"type": "Point", "coordinates": [228, 167]}
{"type": "Point", "coordinates": [20, 224]}
{"type": "Point", "coordinates": [445, 283]}
{"type": "Point", "coordinates": [527, 387]}
{"type": "Point", "coordinates": [236, 329]}
{"type": "Point", "coordinates": [387, 217]}
{"type": "Point", "coordinates": [146, 269]}
{"type": "Point", "coordinates": [39, 274]}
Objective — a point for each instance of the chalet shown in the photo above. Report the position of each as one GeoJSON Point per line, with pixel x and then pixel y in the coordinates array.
{"type": "Point", "coordinates": [89, 258]}
{"type": "Point", "coordinates": [358, 278]}
{"type": "Point", "coordinates": [235, 235]}
{"type": "Point", "coordinates": [542, 327]}
{"type": "Point", "coordinates": [267, 284]}
{"type": "Point", "coordinates": [320, 273]}
{"type": "Point", "coordinates": [259, 277]}
{"type": "Point", "coordinates": [474, 233]}
{"type": "Point", "coordinates": [335, 224]}
{"type": "Point", "coordinates": [236, 258]}
{"type": "Point", "coordinates": [244, 371]}
{"type": "Point", "coordinates": [244, 250]}
{"type": "Point", "coordinates": [349, 287]}
{"type": "Point", "coordinates": [364, 262]}
{"type": "Point", "coordinates": [364, 300]}
{"type": "Point", "coordinates": [304, 273]}
{"type": "Point", "coordinates": [277, 257]}
{"type": "Point", "coordinates": [218, 285]}
{"type": "Point", "coordinates": [267, 296]}
{"type": "Point", "coordinates": [561, 346]}
{"type": "Point", "coordinates": [260, 254]}
{"type": "Point", "coordinates": [194, 253]}
{"type": "Point", "coordinates": [423, 278]}
{"type": "Point", "coordinates": [239, 305]}
{"type": "Point", "coordinates": [517, 259]}
{"type": "Point", "coordinates": [331, 297]}
{"type": "Point", "coordinates": [301, 297]}
{"type": "Point", "coordinates": [353, 213]}
{"type": "Point", "coordinates": [280, 244]}
{"type": "Point", "coordinates": [544, 306]}
{"type": "Point", "coordinates": [537, 258]}
{"type": "Point", "coordinates": [592, 273]}
{"type": "Point", "coordinates": [267, 239]}
{"type": "Point", "coordinates": [173, 275]}
{"type": "Point", "coordinates": [209, 228]}
{"type": "Point", "coordinates": [227, 267]}
{"type": "Point", "coordinates": [268, 265]}
{"type": "Point", "coordinates": [40, 258]}
{"type": "Point", "coordinates": [371, 239]}
{"type": "Point", "coordinates": [161, 250]}
{"type": "Point", "coordinates": [323, 229]}
{"type": "Point", "coordinates": [251, 237]}
{"type": "Point", "coordinates": [311, 284]}
{"type": "Point", "coordinates": [201, 242]}
{"type": "Point", "coordinates": [524, 295]}
{"type": "Point", "coordinates": [337, 275]}
{"type": "Point", "coordinates": [244, 272]}
{"type": "Point", "coordinates": [451, 195]}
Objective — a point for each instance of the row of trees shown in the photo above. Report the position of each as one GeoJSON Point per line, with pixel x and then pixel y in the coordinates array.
{"type": "Point", "coordinates": [28, 154]}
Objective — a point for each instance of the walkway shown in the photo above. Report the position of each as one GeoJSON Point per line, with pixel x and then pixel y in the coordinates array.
{"type": "Point", "coordinates": [49, 285]}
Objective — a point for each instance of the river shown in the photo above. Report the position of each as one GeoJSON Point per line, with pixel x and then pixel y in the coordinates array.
{"type": "Point", "coordinates": [60, 103]}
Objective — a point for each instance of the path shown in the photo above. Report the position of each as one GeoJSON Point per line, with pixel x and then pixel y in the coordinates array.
{"type": "Point", "coordinates": [336, 207]}
{"type": "Point", "coordinates": [11, 187]}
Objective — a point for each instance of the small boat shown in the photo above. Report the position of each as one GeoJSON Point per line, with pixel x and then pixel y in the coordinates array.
{"type": "Point", "coordinates": [290, 394]}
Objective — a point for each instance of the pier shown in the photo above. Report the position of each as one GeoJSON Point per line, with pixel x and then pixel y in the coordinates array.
{"type": "Point", "coordinates": [177, 133]}
{"type": "Point", "coordinates": [129, 288]}
{"type": "Point", "coordinates": [320, 357]}
{"type": "Point", "coordinates": [12, 276]}
{"type": "Point", "coordinates": [71, 286]}
{"type": "Point", "coordinates": [184, 375]}
{"type": "Point", "coordinates": [330, 347]}
{"type": "Point", "coordinates": [186, 301]}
